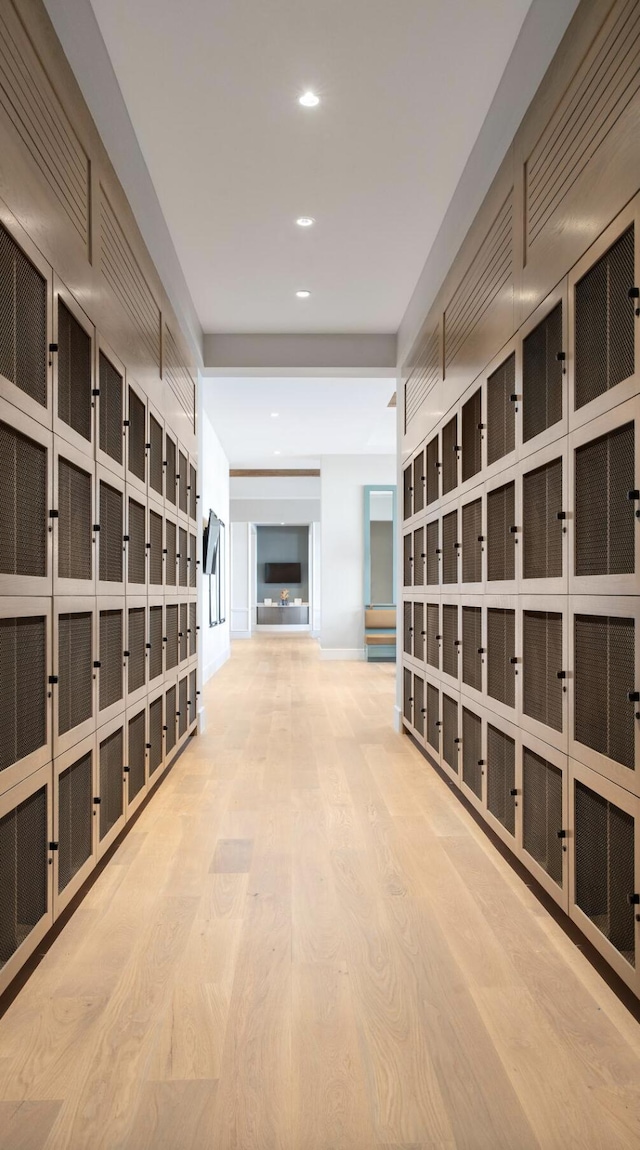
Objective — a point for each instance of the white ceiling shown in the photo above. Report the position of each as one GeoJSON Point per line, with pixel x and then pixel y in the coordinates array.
{"type": "Point", "coordinates": [321, 417]}
{"type": "Point", "coordinates": [211, 87]}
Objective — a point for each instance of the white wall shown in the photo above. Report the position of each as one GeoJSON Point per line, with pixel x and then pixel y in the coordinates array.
{"type": "Point", "coordinates": [214, 496]}
{"type": "Point", "coordinates": [343, 479]}
{"type": "Point", "coordinates": [242, 580]}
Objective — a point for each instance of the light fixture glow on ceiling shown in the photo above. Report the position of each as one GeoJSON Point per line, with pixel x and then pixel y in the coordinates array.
{"type": "Point", "coordinates": [303, 293]}
{"type": "Point", "coordinates": [275, 414]}
{"type": "Point", "coordinates": [277, 453]}
{"type": "Point", "coordinates": [305, 221]}
{"type": "Point", "coordinates": [309, 100]}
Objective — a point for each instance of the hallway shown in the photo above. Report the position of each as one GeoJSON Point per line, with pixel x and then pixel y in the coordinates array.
{"type": "Point", "coordinates": [305, 942]}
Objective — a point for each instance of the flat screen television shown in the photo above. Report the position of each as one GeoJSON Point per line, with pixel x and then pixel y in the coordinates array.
{"type": "Point", "coordinates": [210, 542]}
{"type": "Point", "coordinates": [283, 573]}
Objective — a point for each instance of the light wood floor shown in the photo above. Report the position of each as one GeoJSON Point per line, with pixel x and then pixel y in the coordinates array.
{"type": "Point", "coordinates": [306, 943]}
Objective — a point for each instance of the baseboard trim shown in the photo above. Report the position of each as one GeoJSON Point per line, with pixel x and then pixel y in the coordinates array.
{"type": "Point", "coordinates": [397, 718]}
{"type": "Point", "coordinates": [215, 664]}
{"type": "Point", "coordinates": [241, 634]}
{"type": "Point", "coordinates": [349, 654]}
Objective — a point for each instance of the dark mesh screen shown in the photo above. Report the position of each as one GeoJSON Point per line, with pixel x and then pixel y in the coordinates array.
{"type": "Point", "coordinates": [418, 631]}
{"type": "Point", "coordinates": [155, 639]}
{"type": "Point", "coordinates": [155, 735]}
{"type": "Point", "coordinates": [23, 872]}
{"type": "Point", "coordinates": [193, 492]}
{"type": "Point", "coordinates": [604, 675]}
{"type": "Point", "coordinates": [450, 639]}
{"type": "Point", "coordinates": [472, 436]}
{"type": "Point", "coordinates": [136, 549]}
{"type": "Point", "coordinates": [542, 812]}
{"type": "Point", "coordinates": [111, 533]}
{"type": "Point", "coordinates": [433, 547]}
{"type": "Point", "coordinates": [171, 718]}
{"type": "Point", "coordinates": [183, 501]}
{"type": "Point", "coordinates": [183, 555]}
{"type": "Point", "coordinates": [501, 542]}
{"type": "Point", "coordinates": [419, 479]}
{"type": "Point", "coordinates": [604, 514]}
{"type": "Point", "coordinates": [541, 687]}
{"type": "Point", "coordinates": [75, 524]}
{"type": "Point", "coordinates": [23, 505]}
{"type": "Point", "coordinates": [136, 660]}
{"type": "Point", "coordinates": [75, 670]}
{"type": "Point", "coordinates": [170, 475]}
{"type": "Point", "coordinates": [182, 634]}
{"type": "Point", "coordinates": [171, 546]}
{"type": "Point", "coordinates": [449, 547]}
{"type": "Point", "coordinates": [450, 455]}
{"type": "Point", "coordinates": [111, 776]}
{"type": "Point", "coordinates": [407, 563]}
{"type": "Point", "coordinates": [193, 560]}
{"type": "Point", "coordinates": [408, 627]}
{"type": "Point", "coordinates": [471, 542]}
{"type": "Point", "coordinates": [137, 751]}
{"type": "Point", "coordinates": [23, 687]}
{"type": "Point", "coordinates": [450, 731]}
{"type": "Point", "coordinates": [111, 659]}
{"type": "Point", "coordinates": [407, 695]}
{"type": "Point", "coordinates": [433, 630]}
{"type": "Point", "coordinates": [418, 704]}
{"type": "Point", "coordinates": [407, 492]}
{"type": "Point", "coordinates": [471, 644]}
{"type": "Point", "coordinates": [433, 717]}
{"type": "Point", "coordinates": [75, 814]}
{"type": "Point", "coordinates": [605, 322]}
{"type": "Point", "coordinates": [193, 697]}
{"type": "Point", "coordinates": [542, 376]}
{"type": "Point", "coordinates": [74, 373]}
{"type": "Point", "coordinates": [433, 479]}
{"type": "Point", "coordinates": [419, 556]}
{"type": "Point", "coordinates": [171, 635]}
{"type": "Point", "coordinates": [156, 470]}
{"type": "Point", "coordinates": [193, 628]}
{"type": "Point", "coordinates": [542, 530]}
{"type": "Point", "coordinates": [501, 641]}
{"type": "Point", "coordinates": [23, 321]}
{"type": "Point", "coordinates": [605, 868]}
{"type": "Point", "coordinates": [110, 431]}
{"type": "Point", "coordinates": [472, 751]}
{"type": "Point", "coordinates": [183, 713]}
{"type": "Point", "coordinates": [155, 551]}
{"type": "Point", "coordinates": [501, 414]}
{"type": "Point", "coordinates": [501, 777]}
{"type": "Point", "coordinates": [137, 435]}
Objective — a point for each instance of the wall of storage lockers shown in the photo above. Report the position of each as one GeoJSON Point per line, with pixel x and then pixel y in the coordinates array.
{"type": "Point", "coordinates": [98, 498]}
{"type": "Point", "coordinates": [521, 488]}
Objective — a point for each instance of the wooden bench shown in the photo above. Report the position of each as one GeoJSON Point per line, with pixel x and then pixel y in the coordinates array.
{"type": "Point", "coordinates": [380, 634]}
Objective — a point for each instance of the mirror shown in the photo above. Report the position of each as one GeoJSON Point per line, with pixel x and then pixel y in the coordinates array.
{"type": "Point", "coordinates": [380, 546]}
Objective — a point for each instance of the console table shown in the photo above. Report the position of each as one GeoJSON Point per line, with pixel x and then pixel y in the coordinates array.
{"type": "Point", "coordinates": [275, 616]}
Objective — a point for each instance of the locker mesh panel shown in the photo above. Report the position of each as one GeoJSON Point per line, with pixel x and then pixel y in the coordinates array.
{"type": "Point", "coordinates": [136, 546]}
{"type": "Point", "coordinates": [111, 776]}
{"type": "Point", "coordinates": [136, 661]}
{"type": "Point", "coordinates": [170, 476]}
{"type": "Point", "coordinates": [23, 321]}
{"type": "Point", "coordinates": [183, 716]}
{"type": "Point", "coordinates": [171, 719]}
{"type": "Point", "coordinates": [433, 629]}
{"type": "Point", "coordinates": [74, 373]}
{"type": "Point", "coordinates": [604, 674]}
{"type": "Point", "coordinates": [419, 556]}
{"type": "Point", "coordinates": [542, 530]}
{"type": "Point", "coordinates": [75, 814]}
{"type": "Point", "coordinates": [407, 697]}
{"type": "Point", "coordinates": [155, 735]}
{"type": "Point", "coordinates": [110, 677]}
{"type": "Point", "coordinates": [75, 670]}
{"type": "Point", "coordinates": [136, 764]}
{"type": "Point", "coordinates": [471, 545]}
{"type": "Point", "coordinates": [193, 699]}
{"type": "Point", "coordinates": [170, 542]}
{"type": "Point", "coordinates": [433, 482]}
{"type": "Point", "coordinates": [501, 777]}
{"type": "Point", "coordinates": [541, 687]}
{"type": "Point", "coordinates": [193, 628]}
{"type": "Point", "coordinates": [433, 717]}
{"type": "Point", "coordinates": [75, 523]}
{"type": "Point", "coordinates": [605, 322]}
{"type": "Point", "coordinates": [542, 813]}
{"type": "Point", "coordinates": [183, 637]}
{"type": "Point", "coordinates": [193, 560]}
{"type": "Point", "coordinates": [433, 543]}
{"type": "Point", "coordinates": [171, 635]}
{"type": "Point", "coordinates": [472, 751]}
{"type": "Point", "coordinates": [155, 639]}
{"type": "Point", "coordinates": [407, 492]}
{"type": "Point", "coordinates": [501, 412]}
{"type": "Point", "coordinates": [23, 872]}
{"type": "Point", "coordinates": [183, 566]}
{"type": "Point", "coordinates": [23, 688]}
{"type": "Point", "coordinates": [193, 480]}
{"type": "Point", "coordinates": [501, 543]}
{"type": "Point", "coordinates": [449, 549]}
{"type": "Point", "coordinates": [407, 565]}
{"type": "Point", "coordinates": [137, 435]}
{"type": "Point", "coordinates": [501, 641]}
{"type": "Point", "coordinates": [182, 482]}
{"type": "Point", "coordinates": [110, 430]}
{"type": "Point", "coordinates": [542, 376]}
{"type": "Point", "coordinates": [156, 470]}
{"type": "Point", "coordinates": [23, 504]}
{"type": "Point", "coordinates": [155, 551]}
{"type": "Point", "coordinates": [418, 704]}
{"type": "Point", "coordinates": [450, 731]}
{"type": "Point", "coordinates": [418, 631]}
{"type": "Point", "coordinates": [450, 639]}
{"type": "Point", "coordinates": [111, 533]}
{"type": "Point", "coordinates": [471, 642]}
{"type": "Point", "coordinates": [408, 628]}
{"type": "Point", "coordinates": [419, 479]}
{"type": "Point", "coordinates": [449, 455]}
{"type": "Point", "coordinates": [472, 436]}
{"type": "Point", "coordinates": [605, 474]}
{"type": "Point", "coordinates": [605, 868]}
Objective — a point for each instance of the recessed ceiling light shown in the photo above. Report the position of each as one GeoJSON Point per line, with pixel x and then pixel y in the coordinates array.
{"type": "Point", "coordinates": [309, 100]}
{"type": "Point", "coordinates": [305, 221]}
{"type": "Point", "coordinates": [303, 293]}
{"type": "Point", "coordinates": [277, 453]}
{"type": "Point", "coordinates": [275, 414]}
